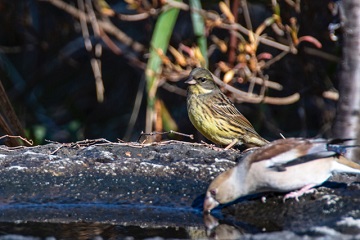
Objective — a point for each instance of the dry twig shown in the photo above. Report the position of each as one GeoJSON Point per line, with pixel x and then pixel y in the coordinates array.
{"type": "Point", "coordinates": [191, 136]}
{"type": "Point", "coordinates": [25, 140]}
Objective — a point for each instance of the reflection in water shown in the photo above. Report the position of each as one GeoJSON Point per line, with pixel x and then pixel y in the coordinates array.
{"type": "Point", "coordinates": [215, 230]}
{"type": "Point", "coordinates": [84, 231]}
{"type": "Point", "coordinates": [100, 221]}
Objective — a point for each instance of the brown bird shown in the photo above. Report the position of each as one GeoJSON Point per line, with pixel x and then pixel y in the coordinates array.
{"type": "Point", "coordinates": [215, 116]}
{"type": "Point", "coordinates": [282, 166]}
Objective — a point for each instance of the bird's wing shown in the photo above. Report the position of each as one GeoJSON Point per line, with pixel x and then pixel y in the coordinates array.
{"type": "Point", "coordinates": [224, 107]}
{"type": "Point", "coordinates": [281, 150]}
{"type": "Point", "coordinates": [301, 160]}
{"type": "Point", "coordinates": [289, 151]}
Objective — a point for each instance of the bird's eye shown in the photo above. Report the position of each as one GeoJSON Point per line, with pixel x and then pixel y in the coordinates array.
{"type": "Point", "coordinates": [202, 79]}
{"type": "Point", "coordinates": [213, 192]}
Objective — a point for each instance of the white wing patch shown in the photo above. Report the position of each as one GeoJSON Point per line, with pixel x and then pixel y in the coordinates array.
{"type": "Point", "coordinates": [284, 157]}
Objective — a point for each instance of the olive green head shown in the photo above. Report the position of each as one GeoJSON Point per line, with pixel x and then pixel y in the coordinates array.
{"type": "Point", "coordinates": [201, 81]}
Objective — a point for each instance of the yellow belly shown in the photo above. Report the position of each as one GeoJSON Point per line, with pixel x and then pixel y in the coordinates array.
{"type": "Point", "coordinates": [208, 126]}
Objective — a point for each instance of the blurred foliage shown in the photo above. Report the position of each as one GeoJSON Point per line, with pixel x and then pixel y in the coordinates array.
{"type": "Point", "coordinates": [158, 46]}
{"type": "Point", "coordinates": [76, 69]}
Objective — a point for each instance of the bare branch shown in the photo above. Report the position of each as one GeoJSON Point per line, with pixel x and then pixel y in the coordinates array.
{"type": "Point", "coordinates": [28, 142]}
{"type": "Point", "coordinates": [106, 25]}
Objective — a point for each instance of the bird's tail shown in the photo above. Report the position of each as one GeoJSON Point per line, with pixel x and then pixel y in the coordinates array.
{"type": "Point", "coordinates": [345, 165]}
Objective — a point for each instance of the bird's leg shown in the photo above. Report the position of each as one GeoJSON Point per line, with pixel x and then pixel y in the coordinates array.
{"type": "Point", "coordinates": [231, 144]}
{"type": "Point", "coordinates": [296, 194]}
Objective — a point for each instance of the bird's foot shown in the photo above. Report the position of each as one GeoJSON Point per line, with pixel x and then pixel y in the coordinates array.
{"type": "Point", "coordinates": [231, 144]}
{"type": "Point", "coordinates": [296, 194]}
{"type": "Point", "coordinates": [212, 146]}
{"type": "Point", "coordinates": [218, 149]}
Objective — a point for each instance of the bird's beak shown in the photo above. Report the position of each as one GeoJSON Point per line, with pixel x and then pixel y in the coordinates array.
{"type": "Point", "coordinates": [209, 204]}
{"type": "Point", "coordinates": [190, 81]}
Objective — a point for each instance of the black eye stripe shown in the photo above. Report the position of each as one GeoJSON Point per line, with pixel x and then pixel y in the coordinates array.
{"type": "Point", "coordinates": [202, 79]}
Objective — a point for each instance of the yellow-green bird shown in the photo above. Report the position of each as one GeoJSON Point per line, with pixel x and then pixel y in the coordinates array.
{"type": "Point", "coordinates": [215, 116]}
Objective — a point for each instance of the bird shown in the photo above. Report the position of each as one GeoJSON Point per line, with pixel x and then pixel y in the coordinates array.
{"type": "Point", "coordinates": [215, 116]}
{"type": "Point", "coordinates": [222, 230]}
{"type": "Point", "coordinates": [294, 165]}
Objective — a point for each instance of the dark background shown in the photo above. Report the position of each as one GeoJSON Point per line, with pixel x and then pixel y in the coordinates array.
{"type": "Point", "coordinates": [46, 72]}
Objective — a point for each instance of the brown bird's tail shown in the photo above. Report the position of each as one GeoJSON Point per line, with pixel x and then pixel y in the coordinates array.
{"type": "Point", "coordinates": [345, 165]}
{"type": "Point", "coordinates": [256, 141]}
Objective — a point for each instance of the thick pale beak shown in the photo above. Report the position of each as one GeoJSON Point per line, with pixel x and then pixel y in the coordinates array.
{"type": "Point", "coordinates": [209, 204]}
{"type": "Point", "coordinates": [190, 81]}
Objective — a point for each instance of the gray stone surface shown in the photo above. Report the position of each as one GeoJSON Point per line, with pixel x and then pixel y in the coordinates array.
{"type": "Point", "coordinates": [140, 191]}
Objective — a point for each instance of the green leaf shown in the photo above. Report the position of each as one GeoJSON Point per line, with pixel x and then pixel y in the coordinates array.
{"type": "Point", "coordinates": [199, 28]}
{"type": "Point", "coordinates": [159, 42]}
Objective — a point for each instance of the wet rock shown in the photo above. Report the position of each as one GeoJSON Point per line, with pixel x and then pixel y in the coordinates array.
{"type": "Point", "coordinates": [157, 188]}
{"type": "Point", "coordinates": [172, 174]}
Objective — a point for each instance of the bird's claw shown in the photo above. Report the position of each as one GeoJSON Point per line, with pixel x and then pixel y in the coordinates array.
{"type": "Point", "coordinates": [296, 194]}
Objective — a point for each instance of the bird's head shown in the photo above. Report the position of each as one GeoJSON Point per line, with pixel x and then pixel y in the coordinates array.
{"type": "Point", "coordinates": [201, 81]}
{"type": "Point", "coordinates": [223, 189]}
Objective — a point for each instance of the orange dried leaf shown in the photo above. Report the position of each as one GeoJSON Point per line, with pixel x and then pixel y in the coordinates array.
{"type": "Point", "coordinates": [260, 29]}
{"type": "Point", "coordinates": [133, 5]}
{"type": "Point", "coordinates": [264, 25]}
{"type": "Point", "coordinates": [179, 58]}
{"type": "Point", "coordinates": [108, 12]}
{"type": "Point", "coordinates": [249, 48]}
{"type": "Point", "coordinates": [223, 66]}
{"type": "Point", "coordinates": [158, 119]}
{"type": "Point", "coordinates": [105, 8]}
{"type": "Point", "coordinates": [128, 154]}
{"type": "Point", "coordinates": [229, 76]}
{"type": "Point", "coordinates": [242, 58]}
{"type": "Point", "coordinates": [162, 56]}
{"type": "Point", "coordinates": [226, 10]}
{"type": "Point", "coordinates": [253, 64]}
{"type": "Point", "coordinates": [241, 47]}
{"type": "Point", "coordinates": [198, 55]}
{"type": "Point", "coordinates": [251, 37]}
{"type": "Point", "coordinates": [220, 43]}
